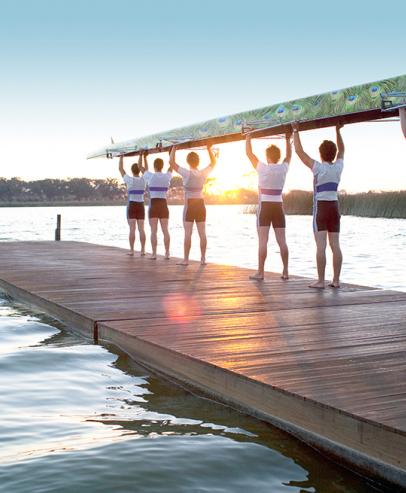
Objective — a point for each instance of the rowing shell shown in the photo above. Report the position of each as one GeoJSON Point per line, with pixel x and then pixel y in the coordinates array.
{"type": "Point", "coordinates": [366, 102]}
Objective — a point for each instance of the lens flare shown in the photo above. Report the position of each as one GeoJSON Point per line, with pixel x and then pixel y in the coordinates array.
{"type": "Point", "coordinates": [181, 307]}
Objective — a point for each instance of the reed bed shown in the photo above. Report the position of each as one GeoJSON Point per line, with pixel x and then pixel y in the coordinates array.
{"type": "Point", "coordinates": [370, 204]}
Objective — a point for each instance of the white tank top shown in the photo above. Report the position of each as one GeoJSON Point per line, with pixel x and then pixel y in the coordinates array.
{"type": "Point", "coordinates": [135, 188]}
{"type": "Point", "coordinates": [271, 180]}
{"type": "Point", "coordinates": [326, 179]}
{"type": "Point", "coordinates": [158, 184]}
{"type": "Point", "coordinates": [194, 180]}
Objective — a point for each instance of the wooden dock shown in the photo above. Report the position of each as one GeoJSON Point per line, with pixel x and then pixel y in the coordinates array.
{"type": "Point", "coordinates": [327, 366]}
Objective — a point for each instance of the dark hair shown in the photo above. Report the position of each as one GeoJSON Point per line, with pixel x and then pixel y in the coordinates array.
{"type": "Point", "coordinates": [158, 164]}
{"type": "Point", "coordinates": [193, 159]}
{"type": "Point", "coordinates": [273, 153]}
{"type": "Point", "coordinates": [328, 151]}
{"type": "Point", "coordinates": [135, 169]}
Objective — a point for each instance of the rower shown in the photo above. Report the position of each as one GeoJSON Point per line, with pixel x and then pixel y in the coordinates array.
{"type": "Point", "coordinates": [271, 180]}
{"type": "Point", "coordinates": [158, 185]}
{"type": "Point", "coordinates": [195, 209]}
{"type": "Point", "coordinates": [326, 215]}
{"type": "Point", "coordinates": [135, 208]}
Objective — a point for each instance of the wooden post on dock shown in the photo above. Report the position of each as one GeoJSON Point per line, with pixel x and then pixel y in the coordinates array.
{"type": "Point", "coordinates": [58, 228]}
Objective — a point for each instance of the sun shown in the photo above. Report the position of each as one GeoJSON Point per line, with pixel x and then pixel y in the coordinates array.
{"type": "Point", "coordinates": [232, 172]}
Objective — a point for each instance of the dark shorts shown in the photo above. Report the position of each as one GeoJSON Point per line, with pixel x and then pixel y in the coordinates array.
{"type": "Point", "coordinates": [327, 216]}
{"type": "Point", "coordinates": [135, 210]}
{"type": "Point", "coordinates": [271, 213]}
{"type": "Point", "coordinates": [158, 208]}
{"type": "Point", "coordinates": [195, 210]}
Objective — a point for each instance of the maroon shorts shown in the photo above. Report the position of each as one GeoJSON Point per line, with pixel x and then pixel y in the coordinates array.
{"type": "Point", "coordinates": [271, 213]}
{"type": "Point", "coordinates": [195, 210]}
{"type": "Point", "coordinates": [158, 208]}
{"type": "Point", "coordinates": [135, 210]}
{"type": "Point", "coordinates": [326, 216]}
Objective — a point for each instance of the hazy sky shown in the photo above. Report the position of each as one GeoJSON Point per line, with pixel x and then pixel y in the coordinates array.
{"type": "Point", "coordinates": [76, 72]}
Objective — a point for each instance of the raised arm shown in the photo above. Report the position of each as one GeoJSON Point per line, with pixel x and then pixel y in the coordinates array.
{"type": "Point", "coordinates": [212, 155]}
{"type": "Point", "coordinates": [140, 167]}
{"type": "Point", "coordinates": [340, 142]}
{"type": "Point", "coordinates": [170, 167]}
{"type": "Point", "coordinates": [306, 159]}
{"type": "Point", "coordinates": [121, 166]}
{"type": "Point", "coordinates": [145, 166]}
{"type": "Point", "coordinates": [172, 162]}
{"type": "Point", "coordinates": [288, 147]}
{"type": "Point", "coordinates": [248, 149]}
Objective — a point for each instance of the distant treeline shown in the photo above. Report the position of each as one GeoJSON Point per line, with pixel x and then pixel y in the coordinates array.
{"type": "Point", "coordinates": [72, 191]}
{"type": "Point", "coordinates": [50, 190]}
{"type": "Point", "coordinates": [369, 204]}
{"type": "Point", "coordinates": [86, 191]}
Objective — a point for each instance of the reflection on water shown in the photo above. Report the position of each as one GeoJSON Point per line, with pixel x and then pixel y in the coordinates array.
{"type": "Point", "coordinates": [79, 417]}
{"type": "Point", "coordinates": [374, 248]}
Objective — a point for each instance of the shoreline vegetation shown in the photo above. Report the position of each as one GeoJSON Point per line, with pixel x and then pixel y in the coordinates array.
{"type": "Point", "coordinates": [90, 192]}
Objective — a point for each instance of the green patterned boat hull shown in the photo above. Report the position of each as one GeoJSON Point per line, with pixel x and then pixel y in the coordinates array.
{"type": "Point", "coordinates": [355, 104]}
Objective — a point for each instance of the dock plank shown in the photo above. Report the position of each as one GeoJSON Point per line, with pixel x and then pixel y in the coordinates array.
{"type": "Point", "coordinates": [328, 366]}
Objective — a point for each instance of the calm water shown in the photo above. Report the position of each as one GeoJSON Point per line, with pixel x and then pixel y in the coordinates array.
{"type": "Point", "coordinates": [374, 249]}
{"type": "Point", "coordinates": [78, 417]}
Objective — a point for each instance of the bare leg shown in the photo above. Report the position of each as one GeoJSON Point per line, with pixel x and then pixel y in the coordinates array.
{"type": "Point", "coordinates": [321, 242]}
{"type": "Point", "coordinates": [334, 240]}
{"type": "Point", "coordinates": [188, 225]}
{"type": "Point", "coordinates": [167, 238]}
{"type": "Point", "coordinates": [283, 247]}
{"type": "Point", "coordinates": [140, 223]}
{"type": "Point", "coordinates": [153, 222]}
{"type": "Point", "coordinates": [201, 229]}
{"type": "Point", "coordinates": [131, 236]}
{"type": "Point", "coordinates": [263, 235]}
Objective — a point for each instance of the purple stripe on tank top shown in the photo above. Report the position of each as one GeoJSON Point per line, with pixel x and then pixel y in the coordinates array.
{"type": "Point", "coordinates": [271, 191]}
{"type": "Point", "coordinates": [330, 186]}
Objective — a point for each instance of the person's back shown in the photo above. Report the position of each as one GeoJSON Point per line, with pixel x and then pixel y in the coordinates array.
{"type": "Point", "coordinates": [158, 184]}
{"type": "Point", "coordinates": [135, 188]}
{"type": "Point", "coordinates": [271, 180]}
{"type": "Point", "coordinates": [327, 177]}
{"type": "Point", "coordinates": [194, 180]}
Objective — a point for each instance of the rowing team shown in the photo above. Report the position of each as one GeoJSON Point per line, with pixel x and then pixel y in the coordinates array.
{"type": "Point", "coordinates": [271, 179]}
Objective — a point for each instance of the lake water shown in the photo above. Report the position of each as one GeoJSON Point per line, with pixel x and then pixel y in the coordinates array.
{"type": "Point", "coordinates": [374, 249]}
{"type": "Point", "coordinates": [79, 417]}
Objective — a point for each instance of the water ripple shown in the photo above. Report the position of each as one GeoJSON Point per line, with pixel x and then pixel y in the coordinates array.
{"type": "Point", "coordinates": [78, 417]}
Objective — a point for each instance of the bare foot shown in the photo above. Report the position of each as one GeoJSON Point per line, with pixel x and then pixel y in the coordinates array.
{"type": "Point", "coordinates": [317, 285]}
{"type": "Point", "coordinates": [203, 261]}
{"type": "Point", "coordinates": [183, 262]}
{"type": "Point", "coordinates": [257, 277]}
{"type": "Point", "coordinates": [167, 256]}
{"type": "Point", "coordinates": [152, 257]}
{"type": "Point", "coordinates": [131, 254]}
{"type": "Point", "coordinates": [335, 284]}
{"type": "Point", "coordinates": [285, 276]}
{"type": "Point", "coordinates": [142, 254]}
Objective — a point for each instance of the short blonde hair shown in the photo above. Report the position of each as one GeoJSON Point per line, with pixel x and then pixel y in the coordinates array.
{"type": "Point", "coordinates": [273, 153]}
